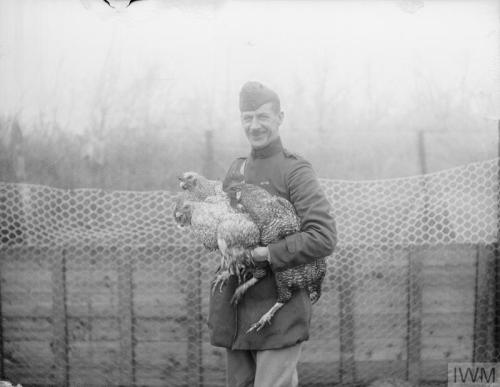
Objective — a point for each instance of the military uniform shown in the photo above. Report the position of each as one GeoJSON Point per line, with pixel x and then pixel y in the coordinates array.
{"type": "Point", "coordinates": [268, 358]}
{"type": "Point", "coordinates": [288, 175]}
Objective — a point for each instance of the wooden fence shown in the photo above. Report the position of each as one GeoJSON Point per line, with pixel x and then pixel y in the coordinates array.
{"type": "Point", "coordinates": [109, 316]}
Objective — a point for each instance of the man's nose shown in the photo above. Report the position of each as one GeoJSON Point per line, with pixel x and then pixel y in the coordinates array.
{"type": "Point", "coordinates": [254, 124]}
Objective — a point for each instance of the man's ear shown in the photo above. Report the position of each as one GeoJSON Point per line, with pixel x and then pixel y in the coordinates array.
{"type": "Point", "coordinates": [281, 117]}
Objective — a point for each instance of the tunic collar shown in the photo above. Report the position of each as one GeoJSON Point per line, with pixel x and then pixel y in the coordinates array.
{"type": "Point", "coordinates": [269, 150]}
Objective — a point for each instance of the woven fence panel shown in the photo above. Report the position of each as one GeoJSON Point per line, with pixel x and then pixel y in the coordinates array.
{"type": "Point", "coordinates": [102, 288]}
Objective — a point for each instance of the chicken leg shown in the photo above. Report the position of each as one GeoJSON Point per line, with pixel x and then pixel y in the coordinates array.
{"type": "Point", "coordinates": [266, 318]}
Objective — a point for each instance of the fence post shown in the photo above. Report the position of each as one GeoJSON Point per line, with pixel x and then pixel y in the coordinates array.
{"type": "Point", "coordinates": [414, 337]}
{"type": "Point", "coordinates": [414, 344]}
{"type": "Point", "coordinates": [497, 260]}
{"type": "Point", "coordinates": [2, 371]}
{"type": "Point", "coordinates": [346, 300]}
{"type": "Point", "coordinates": [126, 316]}
{"type": "Point", "coordinates": [496, 335]}
{"type": "Point", "coordinates": [60, 318]}
{"type": "Point", "coordinates": [483, 305]}
{"type": "Point", "coordinates": [194, 371]}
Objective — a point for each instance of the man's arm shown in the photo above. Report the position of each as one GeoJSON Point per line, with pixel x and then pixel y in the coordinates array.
{"type": "Point", "coordinates": [317, 237]}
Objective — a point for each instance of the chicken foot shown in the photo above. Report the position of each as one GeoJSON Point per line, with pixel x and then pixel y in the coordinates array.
{"type": "Point", "coordinates": [266, 318]}
{"type": "Point", "coordinates": [220, 280]}
{"type": "Point", "coordinates": [259, 273]}
{"type": "Point", "coordinates": [241, 290]}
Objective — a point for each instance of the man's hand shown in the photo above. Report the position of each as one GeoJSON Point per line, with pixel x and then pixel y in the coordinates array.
{"type": "Point", "coordinates": [260, 254]}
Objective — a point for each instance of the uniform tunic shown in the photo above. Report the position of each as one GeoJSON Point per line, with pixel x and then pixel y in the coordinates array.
{"type": "Point", "coordinates": [290, 176]}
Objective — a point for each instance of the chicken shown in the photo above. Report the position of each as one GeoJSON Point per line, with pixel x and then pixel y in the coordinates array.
{"type": "Point", "coordinates": [276, 218]}
{"type": "Point", "coordinates": [274, 215]}
{"type": "Point", "coordinates": [199, 187]}
{"type": "Point", "coordinates": [202, 217]}
{"type": "Point", "coordinates": [219, 227]}
{"type": "Point", "coordinates": [237, 235]}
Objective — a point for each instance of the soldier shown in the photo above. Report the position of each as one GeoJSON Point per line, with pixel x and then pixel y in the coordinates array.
{"type": "Point", "coordinates": [268, 358]}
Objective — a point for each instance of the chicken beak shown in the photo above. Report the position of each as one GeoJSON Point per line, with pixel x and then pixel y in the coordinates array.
{"type": "Point", "coordinates": [182, 181]}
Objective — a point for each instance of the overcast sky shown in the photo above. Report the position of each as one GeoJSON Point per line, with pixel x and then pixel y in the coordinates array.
{"type": "Point", "coordinates": [54, 52]}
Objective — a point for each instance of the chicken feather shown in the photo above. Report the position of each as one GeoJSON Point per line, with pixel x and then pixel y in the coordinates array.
{"type": "Point", "coordinates": [205, 207]}
{"type": "Point", "coordinates": [276, 218]}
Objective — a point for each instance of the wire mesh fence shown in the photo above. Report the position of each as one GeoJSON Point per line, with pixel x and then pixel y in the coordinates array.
{"type": "Point", "coordinates": [101, 288]}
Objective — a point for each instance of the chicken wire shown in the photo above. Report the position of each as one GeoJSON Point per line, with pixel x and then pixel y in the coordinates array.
{"type": "Point", "coordinates": [102, 288]}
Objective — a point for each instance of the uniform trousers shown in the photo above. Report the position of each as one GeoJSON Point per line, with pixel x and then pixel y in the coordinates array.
{"type": "Point", "coordinates": [267, 368]}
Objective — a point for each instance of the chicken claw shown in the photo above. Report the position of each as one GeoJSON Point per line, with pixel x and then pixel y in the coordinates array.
{"type": "Point", "coordinates": [266, 318]}
{"type": "Point", "coordinates": [238, 293]}
{"type": "Point", "coordinates": [241, 290]}
{"type": "Point", "coordinates": [220, 280]}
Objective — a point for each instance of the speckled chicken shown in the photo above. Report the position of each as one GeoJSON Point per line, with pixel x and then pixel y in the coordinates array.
{"type": "Point", "coordinates": [220, 227]}
{"type": "Point", "coordinates": [276, 218]}
{"type": "Point", "coordinates": [203, 218]}
{"type": "Point", "coordinates": [200, 188]}
{"type": "Point", "coordinates": [237, 235]}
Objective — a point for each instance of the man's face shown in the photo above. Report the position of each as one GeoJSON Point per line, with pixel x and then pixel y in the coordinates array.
{"type": "Point", "coordinates": [262, 125]}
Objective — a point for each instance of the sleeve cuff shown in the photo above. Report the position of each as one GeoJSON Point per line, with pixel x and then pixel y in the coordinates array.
{"type": "Point", "coordinates": [278, 254]}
